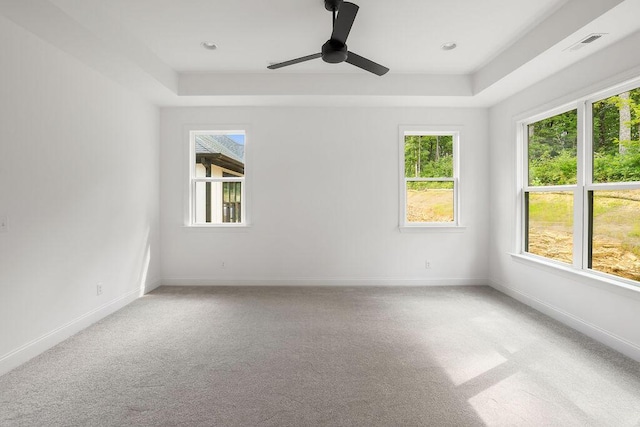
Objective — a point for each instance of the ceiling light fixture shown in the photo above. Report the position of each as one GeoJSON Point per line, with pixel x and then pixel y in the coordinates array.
{"type": "Point", "coordinates": [209, 45]}
{"type": "Point", "coordinates": [449, 46]}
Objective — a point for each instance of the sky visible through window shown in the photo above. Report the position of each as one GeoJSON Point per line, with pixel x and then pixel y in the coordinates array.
{"type": "Point", "coordinates": [239, 138]}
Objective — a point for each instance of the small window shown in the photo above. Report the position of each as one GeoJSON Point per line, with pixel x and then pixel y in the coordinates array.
{"type": "Point", "coordinates": [429, 193]}
{"type": "Point", "coordinates": [217, 188]}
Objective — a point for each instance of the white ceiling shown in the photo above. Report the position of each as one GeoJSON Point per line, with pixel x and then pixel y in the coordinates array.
{"type": "Point", "coordinates": [155, 46]}
{"type": "Point", "coordinates": [405, 35]}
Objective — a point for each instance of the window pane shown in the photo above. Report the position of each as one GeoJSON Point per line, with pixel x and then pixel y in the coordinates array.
{"type": "Point", "coordinates": [218, 155]}
{"type": "Point", "coordinates": [615, 247]}
{"type": "Point", "coordinates": [616, 146]}
{"type": "Point", "coordinates": [428, 156]}
{"type": "Point", "coordinates": [552, 150]}
{"type": "Point", "coordinates": [218, 202]}
{"type": "Point", "coordinates": [550, 225]}
{"type": "Point", "coordinates": [430, 201]}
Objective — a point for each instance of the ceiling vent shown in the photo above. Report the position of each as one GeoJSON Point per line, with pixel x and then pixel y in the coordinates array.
{"type": "Point", "coordinates": [585, 41]}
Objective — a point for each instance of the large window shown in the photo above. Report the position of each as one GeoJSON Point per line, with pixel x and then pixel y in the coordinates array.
{"type": "Point", "coordinates": [217, 183]}
{"type": "Point", "coordinates": [581, 187]}
{"type": "Point", "coordinates": [550, 193]}
{"type": "Point", "coordinates": [613, 184]}
{"type": "Point", "coordinates": [429, 181]}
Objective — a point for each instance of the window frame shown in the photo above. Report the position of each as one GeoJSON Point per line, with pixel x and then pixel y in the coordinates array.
{"type": "Point", "coordinates": [583, 189]}
{"type": "Point", "coordinates": [526, 188]}
{"type": "Point", "coordinates": [590, 185]}
{"type": "Point", "coordinates": [429, 130]}
{"type": "Point", "coordinates": [191, 131]}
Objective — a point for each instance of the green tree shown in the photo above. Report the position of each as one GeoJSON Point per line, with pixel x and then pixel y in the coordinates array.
{"type": "Point", "coordinates": [552, 145]}
{"type": "Point", "coordinates": [616, 138]}
{"type": "Point", "coordinates": [428, 156]}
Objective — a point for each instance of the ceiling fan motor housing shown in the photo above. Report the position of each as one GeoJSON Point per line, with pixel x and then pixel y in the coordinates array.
{"type": "Point", "coordinates": [332, 5]}
{"type": "Point", "coordinates": [334, 52]}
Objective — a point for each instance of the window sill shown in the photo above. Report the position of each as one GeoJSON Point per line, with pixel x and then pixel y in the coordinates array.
{"type": "Point", "coordinates": [216, 227]}
{"type": "Point", "coordinates": [604, 282]}
{"type": "Point", "coordinates": [432, 228]}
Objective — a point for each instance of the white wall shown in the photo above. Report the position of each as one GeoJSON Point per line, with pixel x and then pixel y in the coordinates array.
{"type": "Point", "coordinates": [79, 187]}
{"type": "Point", "coordinates": [324, 206]}
{"type": "Point", "coordinates": [608, 313]}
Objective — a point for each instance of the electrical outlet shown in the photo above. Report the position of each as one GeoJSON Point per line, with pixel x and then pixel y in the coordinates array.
{"type": "Point", "coordinates": [99, 289]}
{"type": "Point", "coordinates": [223, 264]}
{"type": "Point", "coordinates": [4, 224]}
{"type": "Point", "coordinates": [427, 264]}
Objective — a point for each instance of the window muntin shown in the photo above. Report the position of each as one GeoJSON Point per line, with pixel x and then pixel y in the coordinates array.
{"type": "Point", "coordinates": [605, 193]}
{"type": "Point", "coordinates": [217, 192]}
{"type": "Point", "coordinates": [429, 179]}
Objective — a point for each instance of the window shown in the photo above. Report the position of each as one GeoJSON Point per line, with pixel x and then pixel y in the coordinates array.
{"type": "Point", "coordinates": [217, 178]}
{"type": "Point", "coordinates": [429, 177]}
{"type": "Point", "coordinates": [551, 186]}
{"type": "Point", "coordinates": [581, 187]}
{"type": "Point", "coordinates": [613, 184]}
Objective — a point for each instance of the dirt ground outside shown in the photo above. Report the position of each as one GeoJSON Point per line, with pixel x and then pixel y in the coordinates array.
{"type": "Point", "coordinates": [616, 232]}
{"type": "Point", "coordinates": [433, 205]}
{"type": "Point", "coordinates": [616, 223]}
{"type": "Point", "coordinates": [608, 254]}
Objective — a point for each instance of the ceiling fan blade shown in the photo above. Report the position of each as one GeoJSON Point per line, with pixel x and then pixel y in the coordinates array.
{"type": "Point", "coordinates": [366, 64]}
{"type": "Point", "coordinates": [294, 61]}
{"type": "Point", "coordinates": [342, 26]}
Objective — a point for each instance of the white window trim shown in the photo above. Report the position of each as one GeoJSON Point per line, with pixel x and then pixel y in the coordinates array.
{"type": "Point", "coordinates": [404, 225]}
{"type": "Point", "coordinates": [189, 131]}
{"type": "Point", "coordinates": [583, 186]}
{"type": "Point", "coordinates": [574, 188]}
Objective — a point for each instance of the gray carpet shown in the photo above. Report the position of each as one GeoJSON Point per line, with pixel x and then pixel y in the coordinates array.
{"type": "Point", "coordinates": [324, 356]}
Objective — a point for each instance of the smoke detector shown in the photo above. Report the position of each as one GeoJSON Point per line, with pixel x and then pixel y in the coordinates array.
{"type": "Point", "coordinates": [585, 41]}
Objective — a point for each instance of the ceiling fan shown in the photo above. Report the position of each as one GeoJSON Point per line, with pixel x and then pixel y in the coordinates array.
{"type": "Point", "coordinates": [335, 49]}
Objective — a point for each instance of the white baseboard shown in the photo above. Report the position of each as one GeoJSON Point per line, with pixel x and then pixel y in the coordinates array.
{"type": "Point", "coordinates": [605, 337]}
{"type": "Point", "coordinates": [151, 286]}
{"type": "Point", "coordinates": [324, 282]}
{"type": "Point", "coordinates": [32, 349]}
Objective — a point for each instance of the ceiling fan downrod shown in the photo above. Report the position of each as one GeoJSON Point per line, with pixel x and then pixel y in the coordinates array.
{"type": "Point", "coordinates": [332, 6]}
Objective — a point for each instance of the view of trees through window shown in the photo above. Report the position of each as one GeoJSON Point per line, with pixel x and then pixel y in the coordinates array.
{"type": "Point", "coordinates": [553, 148]}
{"type": "Point", "coordinates": [428, 170]}
{"type": "Point", "coordinates": [552, 161]}
{"type": "Point", "coordinates": [615, 245]}
{"type": "Point", "coordinates": [616, 143]}
{"type": "Point", "coordinates": [613, 203]}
